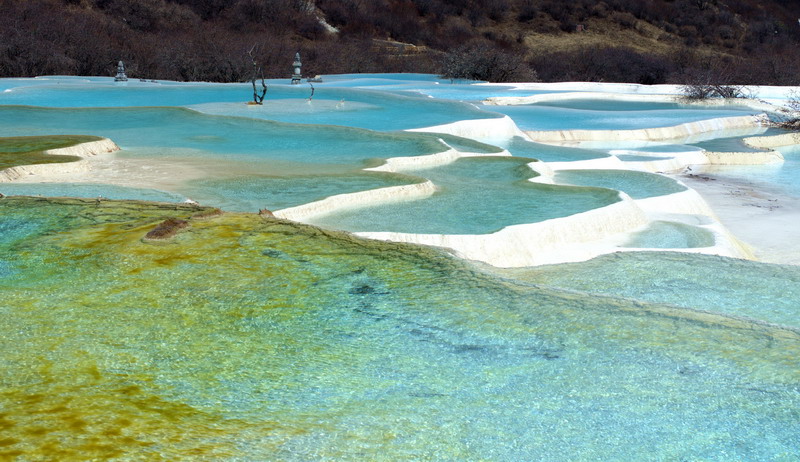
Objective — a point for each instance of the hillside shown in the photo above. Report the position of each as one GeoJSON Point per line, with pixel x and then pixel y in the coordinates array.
{"type": "Point", "coordinates": [645, 41]}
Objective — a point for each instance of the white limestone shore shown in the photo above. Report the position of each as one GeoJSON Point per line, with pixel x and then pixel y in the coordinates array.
{"type": "Point", "coordinates": [759, 97]}
{"type": "Point", "coordinates": [486, 129]}
{"type": "Point", "coordinates": [766, 221]}
{"type": "Point", "coordinates": [340, 202]}
{"type": "Point", "coordinates": [82, 150]}
{"type": "Point", "coordinates": [676, 162]}
{"type": "Point", "coordinates": [411, 163]}
{"type": "Point", "coordinates": [774, 141]}
{"type": "Point", "coordinates": [574, 238]}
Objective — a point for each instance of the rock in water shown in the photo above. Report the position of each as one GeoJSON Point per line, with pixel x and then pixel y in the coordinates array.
{"type": "Point", "coordinates": [167, 229]}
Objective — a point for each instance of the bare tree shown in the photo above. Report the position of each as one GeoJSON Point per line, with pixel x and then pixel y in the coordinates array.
{"type": "Point", "coordinates": [715, 81]}
{"type": "Point", "coordinates": [258, 72]}
{"type": "Point", "coordinates": [788, 117]}
{"type": "Point", "coordinates": [710, 90]}
{"type": "Point", "coordinates": [484, 62]}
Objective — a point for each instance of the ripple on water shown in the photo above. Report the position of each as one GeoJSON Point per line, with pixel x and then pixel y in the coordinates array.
{"type": "Point", "coordinates": [306, 345]}
{"type": "Point", "coordinates": [738, 287]}
{"type": "Point", "coordinates": [253, 338]}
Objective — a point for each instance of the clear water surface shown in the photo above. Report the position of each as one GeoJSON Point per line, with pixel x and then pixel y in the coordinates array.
{"type": "Point", "coordinates": [250, 338]}
{"type": "Point", "coordinates": [475, 195]}
{"type": "Point", "coordinates": [247, 338]}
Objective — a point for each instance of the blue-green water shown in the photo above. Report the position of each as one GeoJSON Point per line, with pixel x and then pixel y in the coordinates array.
{"type": "Point", "coordinates": [248, 338]}
{"type": "Point", "coordinates": [252, 193]}
{"type": "Point", "coordinates": [218, 136]}
{"type": "Point", "coordinates": [639, 158]}
{"type": "Point", "coordinates": [87, 191]}
{"type": "Point", "coordinates": [735, 144]}
{"type": "Point", "coordinates": [664, 148]}
{"type": "Point", "coordinates": [759, 291]}
{"type": "Point", "coordinates": [331, 105]}
{"type": "Point", "coordinates": [455, 208]}
{"type": "Point", "coordinates": [670, 235]}
{"type": "Point", "coordinates": [638, 185]}
{"type": "Point", "coordinates": [782, 178]}
{"type": "Point", "coordinates": [522, 148]}
{"type": "Point", "coordinates": [536, 117]}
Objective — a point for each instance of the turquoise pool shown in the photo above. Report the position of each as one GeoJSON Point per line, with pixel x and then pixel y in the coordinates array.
{"type": "Point", "coordinates": [638, 185]}
{"type": "Point", "coordinates": [331, 105]}
{"type": "Point", "coordinates": [754, 290]}
{"type": "Point", "coordinates": [537, 117]}
{"type": "Point", "coordinates": [456, 209]}
{"type": "Point", "coordinates": [670, 235]}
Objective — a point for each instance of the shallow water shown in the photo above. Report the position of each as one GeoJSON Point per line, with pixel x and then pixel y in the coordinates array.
{"type": "Point", "coordinates": [638, 185]}
{"type": "Point", "coordinates": [506, 198]}
{"type": "Point", "coordinates": [252, 193]}
{"type": "Point", "coordinates": [782, 178]}
{"type": "Point", "coordinates": [218, 135]}
{"type": "Point", "coordinates": [664, 148]}
{"type": "Point", "coordinates": [225, 151]}
{"type": "Point", "coordinates": [670, 235]}
{"type": "Point", "coordinates": [761, 291]}
{"type": "Point", "coordinates": [522, 148]}
{"type": "Point", "coordinates": [247, 338]}
{"type": "Point", "coordinates": [87, 191]}
{"type": "Point", "coordinates": [735, 144]}
{"type": "Point", "coordinates": [330, 105]}
{"type": "Point", "coordinates": [639, 158]}
{"type": "Point", "coordinates": [304, 345]}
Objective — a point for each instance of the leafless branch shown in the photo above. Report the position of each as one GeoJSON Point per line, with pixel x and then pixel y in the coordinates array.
{"type": "Point", "coordinates": [258, 72]}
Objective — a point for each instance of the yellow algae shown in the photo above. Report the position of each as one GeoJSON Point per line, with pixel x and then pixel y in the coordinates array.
{"type": "Point", "coordinates": [5, 423]}
{"type": "Point", "coordinates": [119, 426]}
{"type": "Point", "coordinates": [8, 441]}
{"type": "Point", "coordinates": [55, 410]}
{"type": "Point", "coordinates": [28, 150]}
{"type": "Point", "coordinates": [11, 455]}
{"type": "Point", "coordinates": [37, 432]}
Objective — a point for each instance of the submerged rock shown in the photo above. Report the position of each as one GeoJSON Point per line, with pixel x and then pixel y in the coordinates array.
{"type": "Point", "coordinates": [207, 213]}
{"type": "Point", "coordinates": [166, 229]}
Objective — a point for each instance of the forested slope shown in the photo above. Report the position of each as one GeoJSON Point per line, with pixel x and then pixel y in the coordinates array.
{"type": "Point", "coordinates": [646, 41]}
